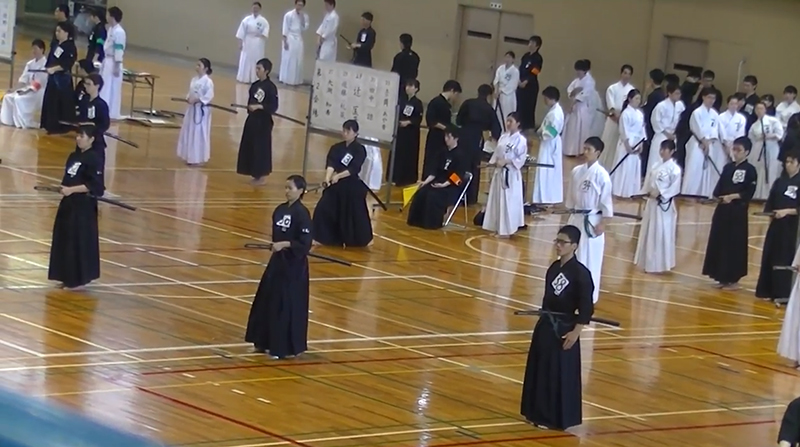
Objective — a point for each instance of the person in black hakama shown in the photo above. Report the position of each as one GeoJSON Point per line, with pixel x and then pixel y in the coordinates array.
{"type": "Point", "coordinates": [751, 100]}
{"type": "Point", "coordinates": [255, 147]}
{"type": "Point", "coordinates": [438, 116]}
{"type": "Point", "coordinates": [528, 90]}
{"type": "Point", "coordinates": [551, 391]}
{"type": "Point", "coordinates": [58, 103]}
{"type": "Point", "coordinates": [406, 159]}
{"type": "Point", "coordinates": [341, 217]}
{"type": "Point", "coordinates": [75, 249]}
{"type": "Point", "coordinates": [93, 110]}
{"type": "Point", "coordinates": [278, 321]}
{"type": "Point", "coordinates": [726, 252]}
{"type": "Point", "coordinates": [476, 117]}
{"type": "Point", "coordinates": [789, 434]}
{"type": "Point", "coordinates": [85, 68]}
{"type": "Point", "coordinates": [95, 50]}
{"type": "Point", "coordinates": [365, 42]}
{"type": "Point", "coordinates": [405, 64]}
{"type": "Point", "coordinates": [441, 189]}
{"type": "Point", "coordinates": [657, 95]}
{"type": "Point", "coordinates": [780, 242]}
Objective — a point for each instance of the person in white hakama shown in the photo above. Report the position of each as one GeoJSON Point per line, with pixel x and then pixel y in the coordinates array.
{"type": "Point", "coordinates": [111, 68]}
{"type": "Point", "coordinates": [616, 94]}
{"type": "Point", "coordinates": [655, 251]}
{"type": "Point", "coordinates": [705, 156]}
{"type": "Point", "coordinates": [252, 35]}
{"type": "Point", "coordinates": [580, 120]}
{"type": "Point", "coordinates": [788, 106]}
{"type": "Point", "coordinates": [294, 23]}
{"type": "Point", "coordinates": [506, 81]}
{"type": "Point", "coordinates": [733, 125]}
{"type": "Point", "coordinates": [372, 170]}
{"type": "Point", "coordinates": [194, 141]}
{"type": "Point", "coordinates": [665, 120]}
{"type": "Point", "coordinates": [627, 176]}
{"type": "Point", "coordinates": [20, 106]}
{"type": "Point", "coordinates": [789, 341]}
{"type": "Point", "coordinates": [505, 212]}
{"type": "Point", "coordinates": [765, 134]}
{"type": "Point", "coordinates": [548, 187]}
{"type": "Point", "coordinates": [590, 189]}
{"type": "Point", "coordinates": [328, 33]}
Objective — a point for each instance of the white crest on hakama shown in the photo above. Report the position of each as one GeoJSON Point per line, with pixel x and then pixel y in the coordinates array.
{"type": "Point", "coordinates": [791, 192]}
{"type": "Point", "coordinates": [285, 223]}
{"type": "Point", "coordinates": [90, 113]}
{"type": "Point", "coordinates": [259, 95]}
{"type": "Point", "coordinates": [408, 110]}
{"type": "Point", "coordinates": [73, 170]}
{"type": "Point", "coordinates": [347, 159]}
{"type": "Point", "coordinates": [559, 284]}
{"type": "Point", "coordinates": [738, 176]}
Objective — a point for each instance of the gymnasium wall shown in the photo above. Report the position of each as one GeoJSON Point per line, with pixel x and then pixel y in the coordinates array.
{"type": "Point", "coordinates": [609, 32]}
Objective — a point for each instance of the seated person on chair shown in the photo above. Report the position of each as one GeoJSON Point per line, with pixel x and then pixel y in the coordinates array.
{"type": "Point", "coordinates": [21, 105]}
{"type": "Point", "coordinates": [441, 190]}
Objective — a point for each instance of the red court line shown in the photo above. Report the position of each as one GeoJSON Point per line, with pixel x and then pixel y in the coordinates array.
{"type": "Point", "coordinates": [787, 371]}
{"type": "Point", "coordinates": [223, 417]}
{"type": "Point", "coordinates": [361, 361]}
{"type": "Point", "coordinates": [632, 431]}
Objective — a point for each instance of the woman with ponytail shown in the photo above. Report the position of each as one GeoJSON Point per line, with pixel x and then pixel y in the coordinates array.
{"type": "Point", "coordinates": [626, 175]}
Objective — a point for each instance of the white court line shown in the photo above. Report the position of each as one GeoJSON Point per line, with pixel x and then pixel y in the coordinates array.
{"type": "Point", "coordinates": [509, 424]}
{"type": "Point", "coordinates": [24, 261]}
{"type": "Point", "coordinates": [691, 306]}
{"type": "Point", "coordinates": [20, 348]}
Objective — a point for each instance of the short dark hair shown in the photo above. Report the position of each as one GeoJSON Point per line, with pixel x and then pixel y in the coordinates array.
{"type": "Point", "coordinates": [551, 92]}
{"type": "Point", "coordinates": [731, 97]}
{"type": "Point", "coordinates": [265, 63]}
{"type": "Point", "coordinates": [407, 40]}
{"type": "Point", "coordinates": [331, 2]}
{"type": "Point", "coordinates": [96, 80]}
{"type": "Point", "coordinates": [750, 79]}
{"type": "Point", "coordinates": [596, 143]}
{"type": "Point", "coordinates": [657, 75]}
{"type": "Point", "coordinates": [485, 90]}
{"type": "Point", "coordinates": [536, 40]}
{"type": "Point", "coordinates": [257, 4]}
{"type": "Point", "coordinates": [351, 125]}
{"type": "Point", "coordinates": [368, 16]}
{"type": "Point", "coordinates": [790, 89]}
{"type": "Point", "coordinates": [452, 86]}
{"type": "Point", "coordinates": [452, 130]}
{"type": "Point", "coordinates": [707, 91]}
{"type": "Point", "coordinates": [668, 144]}
{"type": "Point", "coordinates": [672, 78]}
{"type": "Point", "coordinates": [87, 129]}
{"type": "Point", "coordinates": [794, 154]}
{"type": "Point", "coordinates": [708, 74]}
{"type": "Point", "coordinates": [64, 8]}
{"type": "Point", "coordinates": [299, 182]}
{"type": "Point", "coordinates": [514, 116]}
{"type": "Point", "coordinates": [626, 67]}
{"type": "Point", "coordinates": [38, 43]}
{"type": "Point", "coordinates": [672, 88]}
{"type": "Point", "coordinates": [67, 27]}
{"type": "Point", "coordinates": [512, 54]}
{"type": "Point", "coordinates": [744, 142]}
{"type": "Point", "coordinates": [115, 13]}
{"type": "Point", "coordinates": [412, 82]}
{"type": "Point", "coordinates": [571, 232]}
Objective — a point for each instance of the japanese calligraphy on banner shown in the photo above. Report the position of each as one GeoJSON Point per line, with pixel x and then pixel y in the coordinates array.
{"type": "Point", "coordinates": [344, 91]}
{"type": "Point", "coordinates": [8, 16]}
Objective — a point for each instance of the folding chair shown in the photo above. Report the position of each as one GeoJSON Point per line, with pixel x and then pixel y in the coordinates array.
{"type": "Point", "coordinates": [462, 198]}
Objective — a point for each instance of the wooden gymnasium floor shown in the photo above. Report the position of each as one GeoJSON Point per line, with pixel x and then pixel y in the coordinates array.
{"type": "Point", "coordinates": [415, 344]}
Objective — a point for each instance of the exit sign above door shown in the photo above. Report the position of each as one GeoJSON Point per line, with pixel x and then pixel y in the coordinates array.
{"type": "Point", "coordinates": [496, 5]}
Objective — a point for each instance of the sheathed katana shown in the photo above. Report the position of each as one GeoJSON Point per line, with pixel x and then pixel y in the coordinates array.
{"type": "Point", "coordinates": [106, 133]}
{"type": "Point", "coordinates": [268, 246]}
{"type": "Point", "coordinates": [213, 106]}
{"type": "Point", "coordinates": [790, 268]}
{"type": "Point", "coordinates": [99, 199]}
{"type": "Point", "coordinates": [540, 312]}
{"type": "Point", "coordinates": [279, 115]}
{"type": "Point", "coordinates": [707, 157]}
{"type": "Point", "coordinates": [633, 149]}
{"type": "Point", "coordinates": [589, 212]}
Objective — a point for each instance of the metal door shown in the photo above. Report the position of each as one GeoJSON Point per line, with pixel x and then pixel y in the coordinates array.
{"type": "Point", "coordinates": [477, 49]}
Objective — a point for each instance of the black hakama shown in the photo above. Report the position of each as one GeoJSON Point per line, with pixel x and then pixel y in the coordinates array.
{"type": "Point", "coordinates": [439, 111]}
{"type": "Point", "coordinates": [341, 216]}
{"type": "Point", "coordinates": [726, 252]}
{"type": "Point", "coordinates": [551, 392]}
{"type": "Point", "coordinates": [363, 55]}
{"type": "Point", "coordinates": [749, 110]}
{"type": "Point", "coordinates": [75, 250]}
{"type": "Point", "coordinates": [406, 159]}
{"type": "Point", "coordinates": [429, 204]}
{"type": "Point", "coordinates": [653, 99]}
{"type": "Point", "coordinates": [406, 65]}
{"type": "Point", "coordinates": [58, 103]}
{"type": "Point", "coordinates": [255, 148]}
{"type": "Point", "coordinates": [780, 242]}
{"type": "Point", "coordinates": [475, 117]}
{"type": "Point", "coordinates": [97, 40]}
{"type": "Point", "coordinates": [278, 321]}
{"type": "Point", "coordinates": [95, 111]}
{"type": "Point", "coordinates": [790, 424]}
{"type": "Point", "coordinates": [530, 66]}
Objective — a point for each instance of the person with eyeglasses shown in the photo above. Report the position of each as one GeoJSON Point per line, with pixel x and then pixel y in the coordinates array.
{"type": "Point", "coordinates": [551, 391]}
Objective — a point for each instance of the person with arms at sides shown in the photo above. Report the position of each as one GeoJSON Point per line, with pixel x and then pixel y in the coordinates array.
{"type": "Point", "coordinates": [579, 122]}
{"type": "Point", "coordinates": [252, 35]}
{"type": "Point", "coordinates": [505, 211]}
{"type": "Point", "coordinates": [441, 188]}
{"type": "Point", "coordinates": [58, 103]}
{"type": "Point", "coordinates": [655, 97]}
{"type": "Point", "coordinates": [726, 252]}
{"type": "Point", "coordinates": [627, 180]}
{"type": "Point", "coordinates": [406, 160]}
{"type": "Point", "coordinates": [328, 33]}
{"type": "Point", "coordinates": [478, 122]}
{"type": "Point", "coordinates": [781, 239]}
{"type": "Point", "coordinates": [765, 133]}
{"type": "Point", "coordinates": [438, 116]}
{"type": "Point", "coordinates": [528, 89]}
{"type": "Point", "coordinates": [655, 251]}
{"type": "Point", "coordinates": [93, 111]}
{"type": "Point", "coordinates": [405, 63]}
{"type": "Point", "coordinates": [732, 124]}
{"type": "Point", "coordinates": [506, 81]}
{"type": "Point", "coordinates": [551, 391]}
{"type": "Point", "coordinates": [295, 22]}
{"type": "Point", "coordinates": [20, 106]}
{"type": "Point", "coordinates": [705, 156]}
{"type": "Point", "coordinates": [751, 98]}
{"type": "Point", "coordinates": [590, 189]}
{"type": "Point", "coordinates": [788, 106]}
{"type": "Point", "coordinates": [75, 249]}
{"type": "Point", "coordinates": [194, 140]}
{"type": "Point", "coordinates": [789, 341]}
{"type": "Point", "coordinates": [707, 81]}
{"type": "Point", "coordinates": [548, 185]}
{"type": "Point", "coordinates": [255, 147]}
{"type": "Point", "coordinates": [689, 89]}
{"type": "Point", "coordinates": [365, 41]}
{"type": "Point", "coordinates": [95, 52]}
{"type": "Point", "coordinates": [616, 94]}
{"type": "Point", "coordinates": [664, 122]}
{"type": "Point", "coordinates": [341, 217]}
{"type": "Point", "coordinates": [114, 49]}
{"type": "Point", "coordinates": [61, 15]}
{"type": "Point", "coordinates": [278, 321]}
